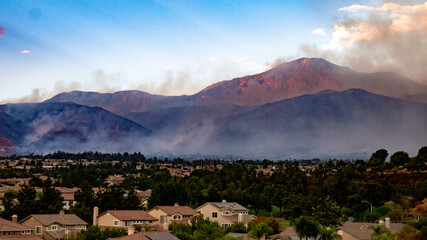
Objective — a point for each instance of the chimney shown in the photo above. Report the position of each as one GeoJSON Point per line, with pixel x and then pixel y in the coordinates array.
{"type": "Point", "coordinates": [131, 230]}
{"type": "Point", "coordinates": [15, 218]}
{"type": "Point", "coordinates": [95, 216]}
{"type": "Point", "coordinates": [224, 201]}
{"type": "Point", "coordinates": [61, 212]}
{"type": "Point", "coordinates": [387, 222]}
{"type": "Point", "coordinates": [176, 204]}
{"type": "Point", "coordinates": [240, 217]}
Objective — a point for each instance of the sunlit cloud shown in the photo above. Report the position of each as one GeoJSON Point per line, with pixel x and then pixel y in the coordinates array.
{"type": "Point", "coordinates": [319, 31]}
{"type": "Point", "coordinates": [390, 19]}
{"type": "Point", "coordinates": [391, 37]}
{"type": "Point", "coordinates": [26, 52]}
{"type": "Point", "coordinates": [213, 59]}
{"type": "Point", "coordinates": [2, 31]}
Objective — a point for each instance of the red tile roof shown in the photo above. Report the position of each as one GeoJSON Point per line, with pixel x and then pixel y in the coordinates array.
{"type": "Point", "coordinates": [128, 215]}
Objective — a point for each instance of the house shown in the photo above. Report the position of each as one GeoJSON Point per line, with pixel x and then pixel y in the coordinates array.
{"type": "Point", "coordinates": [169, 214]}
{"type": "Point", "coordinates": [54, 226]}
{"type": "Point", "coordinates": [14, 230]}
{"type": "Point", "coordinates": [148, 236]}
{"type": "Point", "coordinates": [68, 200]}
{"type": "Point", "coordinates": [144, 196]}
{"type": "Point", "coordinates": [225, 213]}
{"type": "Point", "coordinates": [122, 218]}
{"type": "Point", "coordinates": [360, 230]}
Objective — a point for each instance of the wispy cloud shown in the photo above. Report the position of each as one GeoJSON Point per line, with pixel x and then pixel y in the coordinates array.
{"type": "Point", "coordinates": [2, 31]}
{"type": "Point", "coordinates": [356, 7]}
{"type": "Point", "coordinates": [25, 52]}
{"type": "Point", "coordinates": [319, 31]}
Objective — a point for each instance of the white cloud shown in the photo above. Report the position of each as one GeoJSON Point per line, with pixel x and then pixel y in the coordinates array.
{"type": "Point", "coordinates": [319, 31]}
{"type": "Point", "coordinates": [356, 7]}
{"type": "Point", "coordinates": [213, 59]}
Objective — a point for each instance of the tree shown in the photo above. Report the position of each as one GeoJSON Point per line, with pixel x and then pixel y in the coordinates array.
{"type": "Point", "coordinates": [51, 201]}
{"type": "Point", "coordinates": [327, 212]}
{"type": "Point", "coordinates": [8, 205]}
{"type": "Point", "coordinates": [329, 233]}
{"type": "Point", "coordinates": [260, 231]}
{"type": "Point", "coordinates": [237, 228]}
{"type": "Point", "coordinates": [94, 233]}
{"type": "Point", "coordinates": [85, 202]}
{"type": "Point", "coordinates": [306, 227]}
{"type": "Point", "coordinates": [381, 233]}
{"type": "Point", "coordinates": [273, 224]}
{"type": "Point", "coordinates": [377, 159]}
{"type": "Point", "coordinates": [399, 158]}
{"type": "Point", "coordinates": [407, 232]}
{"type": "Point", "coordinates": [27, 202]}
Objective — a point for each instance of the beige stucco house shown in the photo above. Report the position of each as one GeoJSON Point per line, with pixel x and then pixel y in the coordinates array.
{"type": "Point", "coordinates": [54, 226]}
{"type": "Point", "coordinates": [169, 214]}
{"type": "Point", "coordinates": [123, 218]}
{"type": "Point", "coordinates": [14, 230]}
{"type": "Point", "coordinates": [225, 213]}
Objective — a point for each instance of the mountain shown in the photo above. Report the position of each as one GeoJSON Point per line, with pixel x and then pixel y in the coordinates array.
{"type": "Point", "coordinates": [70, 127]}
{"type": "Point", "coordinates": [328, 123]}
{"type": "Point", "coordinates": [306, 108]}
{"type": "Point", "coordinates": [292, 79]}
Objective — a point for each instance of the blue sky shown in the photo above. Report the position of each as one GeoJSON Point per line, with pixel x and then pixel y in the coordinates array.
{"type": "Point", "coordinates": [168, 47]}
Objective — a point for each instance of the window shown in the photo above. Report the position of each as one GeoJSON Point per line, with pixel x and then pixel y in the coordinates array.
{"type": "Point", "coordinates": [54, 227]}
{"type": "Point", "coordinates": [116, 223]}
{"type": "Point", "coordinates": [176, 217]}
{"type": "Point", "coordinates": [63, 227]}
{"type": "Point", "coordinates": [214, 215]}
{"type": "Point", "coordinates": [38, 230]}
{"type": "Point", "coordinates": [162, 219]}
{"type": "Point", "coordinates": [127, 223]}
{"type": "Point", "coordinates": [23, 232]}
{"type": "Point", "coordinates": [227, 213]}
{"type": "Point", "coordinates": [28, 232]}
{"type": "Point", "coordinates": [226, 225]}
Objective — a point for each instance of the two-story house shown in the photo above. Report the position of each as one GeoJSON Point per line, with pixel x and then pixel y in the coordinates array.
{"type": "Point", "coordinates": [122, 218]}
{"type": "Point", "coordinates": [169, 214]}
{"type": "Point", "coordinates": [14, 230]}
{"type": "Point", "coordinates": [225, 213]}
{"type": "Point", "coordinates": [54, 226]}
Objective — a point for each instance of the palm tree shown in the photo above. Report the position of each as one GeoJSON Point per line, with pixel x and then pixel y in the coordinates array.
{"type": "Point", "coordinates": [326, 233]}
{"type": "Point", "coordinates": [306, 227]}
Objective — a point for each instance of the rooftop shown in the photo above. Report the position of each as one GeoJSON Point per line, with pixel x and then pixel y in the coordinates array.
{"type": "Point", "coordinates": [127, 215]}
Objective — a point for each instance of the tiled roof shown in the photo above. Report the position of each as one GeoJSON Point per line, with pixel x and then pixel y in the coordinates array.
{"type": "Point", "coordinates": [23, 237]}
{"type": "Point", "coordinates": [148, 236]}
{"type": "Point", "coordinates": [63, 219]}
{"type": "Point", "coordinates": [127, 215]}
{"type": "Point", "coordinates": [6, 225]}
{"type": "Point", "coordinates": [183, 210]}
{"type": "Point", "coordinates": [68, 196]}
{"type": "Point", "coordinates": [362, 230]}
{"type": "Point", "coordinates": [230, 205]}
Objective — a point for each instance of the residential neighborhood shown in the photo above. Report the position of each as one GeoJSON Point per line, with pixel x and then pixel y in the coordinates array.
{"type": "Point", "coordinates": [60, 198]}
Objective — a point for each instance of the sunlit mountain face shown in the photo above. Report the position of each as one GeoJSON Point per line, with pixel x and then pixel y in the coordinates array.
{"type": "Point", "coordinates": [308, 107]}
